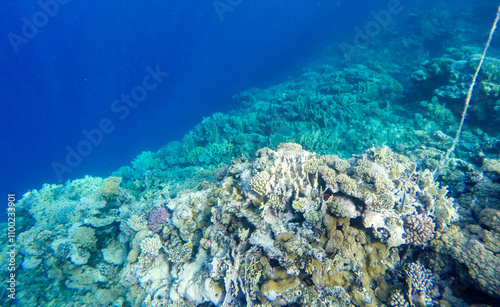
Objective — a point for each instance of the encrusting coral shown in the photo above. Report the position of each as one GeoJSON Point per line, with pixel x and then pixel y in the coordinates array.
{"type": "Point", "coordinates": [482, 264]}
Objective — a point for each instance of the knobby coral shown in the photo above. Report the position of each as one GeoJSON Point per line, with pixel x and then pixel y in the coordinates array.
{"type": "Point", "coordinates": [419, 229]}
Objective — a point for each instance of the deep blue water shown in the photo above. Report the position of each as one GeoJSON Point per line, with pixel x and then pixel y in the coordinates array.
{"type": "Point", "coordinates": [62, 76]}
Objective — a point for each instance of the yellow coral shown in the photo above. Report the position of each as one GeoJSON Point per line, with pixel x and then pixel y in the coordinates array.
{"type": "Point", "coordinates": [258, 182]}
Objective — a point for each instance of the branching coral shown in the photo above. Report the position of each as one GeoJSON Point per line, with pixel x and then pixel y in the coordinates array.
{"type": "Point", "coordinates": [420, 281]}
{"type": "Point", "coordinates": [151, 246]}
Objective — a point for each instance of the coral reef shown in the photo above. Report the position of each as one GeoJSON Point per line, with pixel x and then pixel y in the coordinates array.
{"type": "Point", "coordinates": [475, 242]}
{"type": "Point", "coordinates": [327, 189]}
{"type": "Point", "coordinates": [289, 227]}
{"type": "Point", "coordinates": [483, 265]}
{"type": "Point", "coordinates": [448, 77]}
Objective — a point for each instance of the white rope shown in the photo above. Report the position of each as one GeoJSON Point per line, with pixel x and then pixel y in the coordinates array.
{"type": "Point", "coordinates": [471, 88]}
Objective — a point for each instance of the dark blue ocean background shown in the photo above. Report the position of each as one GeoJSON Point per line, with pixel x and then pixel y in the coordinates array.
{"type": "Point", "coordinates": [64, 79]}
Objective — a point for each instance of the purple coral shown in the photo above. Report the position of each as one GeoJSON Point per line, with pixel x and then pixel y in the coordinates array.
{"type": "Point", "coordinates": [221, 173]}
{"type": "Point", "coordinates": [157, 218]}
{"type": "Point", "coordinates": [419, 229]}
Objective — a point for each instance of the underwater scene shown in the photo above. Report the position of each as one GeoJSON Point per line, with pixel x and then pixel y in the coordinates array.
{"type": "Point", "coordinates": [363, 170]}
